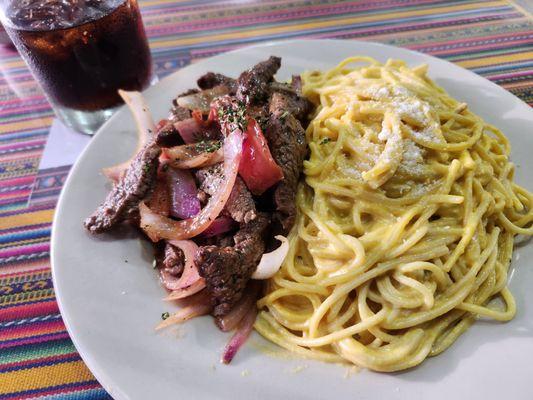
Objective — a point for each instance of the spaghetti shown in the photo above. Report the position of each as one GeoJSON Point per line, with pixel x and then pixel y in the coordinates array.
{"type": "Point", "coordinates": [406, 222]}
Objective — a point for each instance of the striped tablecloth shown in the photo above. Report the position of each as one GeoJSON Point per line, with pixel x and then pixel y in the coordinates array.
{"type": "Point", "coordinates": [37, 357]}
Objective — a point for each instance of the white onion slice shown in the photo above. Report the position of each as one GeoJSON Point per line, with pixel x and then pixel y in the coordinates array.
{"type": "Point", "coordinates": [199, 304]}
{"type": "Point", "coordinates": [185, 157]}
{"type": "Point", "coordinates": [271, 262]}
{"type": "Point", "coordinates": [145, 130]}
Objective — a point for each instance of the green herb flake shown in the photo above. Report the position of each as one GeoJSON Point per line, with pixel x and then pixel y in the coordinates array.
{"type": "Point", "coordinates": [165, 315]}
{"type": "Point", "coordinates": [284, 115]}
{"type": "Point", "coordinates": [208, 147]}
{"type": "Point", "coordinates": [325, 140]}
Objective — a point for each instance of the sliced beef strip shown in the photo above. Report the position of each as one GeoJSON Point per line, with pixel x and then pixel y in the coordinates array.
{"type": "Point", "coordinates": [211, 79]}
{"type": "Point", "coordinates": [222, 240]}
{"type": "Point", "coordinates": [296, 84]}
{"type": "Point", "coordinates": [174, 259]}
{"type": "Point", "coordinates": [253, 84]}
{"type": "Point", "coordinates": [188, 92]}
{"type": "Point", "coordinates": [227, 270]}
{"type": "Point", "coordinates": [169, 258]}
{"type": "Point", "coordinates": [286, 139]}
{"type": "Point", "coordinates": [167, 135]}
{"type": "Point", "coordinates": [240, 205]}
{"type": "Point", "coordinates": [210, 178]}
{"type": "Point", "coordinates": [123, 200]}
{"type": "Point", "coordinates": [290, 102]}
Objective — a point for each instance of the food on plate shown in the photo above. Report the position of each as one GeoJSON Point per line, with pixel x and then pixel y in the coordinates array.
{"type": "Point", "coordinates": [213, 186]}
{"type": "Point", "coordinates": [405, 225]}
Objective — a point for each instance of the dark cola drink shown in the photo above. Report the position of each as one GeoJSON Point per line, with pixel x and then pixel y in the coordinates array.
{"type": "Point", "coordinates": [81, 51]}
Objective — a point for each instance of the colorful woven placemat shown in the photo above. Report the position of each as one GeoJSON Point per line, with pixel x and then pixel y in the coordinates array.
{"type": "Point", "coordinates": [37, 357]}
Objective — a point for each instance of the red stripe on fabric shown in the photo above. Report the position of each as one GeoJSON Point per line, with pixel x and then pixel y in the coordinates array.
{"type": "Point", "coordinates": [33, 329]}
{"type": "Point", "coordinates": [18, 181]}
{"type": "Point", "coordinates": [29, 310]}
{"type": "Point", "coordinates": [17, 251]}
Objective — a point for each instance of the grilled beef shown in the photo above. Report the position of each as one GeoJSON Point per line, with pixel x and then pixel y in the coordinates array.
{"type": "Point", "coordinates": [211, 79]}
{"type": "Point", "coordinates": [123, 200]}
{"type": "Point", "coordinates": [286, 139]}
{"type": "Point", "coordinates": [253, 84]}
{"type": "Point", "coordinates": [289, 101]}
{"type": "Point", "coordinates": [227, 270]}
{"type": "Point", "coordinates": [167, 135]}
{"type": "Point", "coordinates": [170, 258]}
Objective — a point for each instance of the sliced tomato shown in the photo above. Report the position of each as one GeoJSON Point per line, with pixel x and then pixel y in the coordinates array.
{"type": "Point", "coordinates": [257, 168]}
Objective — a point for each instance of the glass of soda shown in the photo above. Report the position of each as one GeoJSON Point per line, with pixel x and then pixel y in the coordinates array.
{"type": "Point", "coordinates": [81, 52]}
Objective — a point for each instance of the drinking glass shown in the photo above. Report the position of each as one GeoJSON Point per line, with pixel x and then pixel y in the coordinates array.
{"type": "Point", "coordinates": [81, 52]}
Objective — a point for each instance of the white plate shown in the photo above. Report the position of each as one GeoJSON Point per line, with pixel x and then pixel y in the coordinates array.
{"type": "Point", "coordinates": [110, 298]}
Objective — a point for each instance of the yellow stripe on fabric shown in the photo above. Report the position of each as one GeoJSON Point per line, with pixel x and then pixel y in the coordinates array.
{"type": "Point", "coordinates": [20, 298]}
{"type": "Point", "coordinates": [32, 218]}
{"type": "Point", "coordinates": [487, 61]}
{"type": "Point", "coordinates": [29, 124]}
{"type": "Point", "coordinates": [254, 32]}
{"type": "Point", "coordinates": [42, 377]}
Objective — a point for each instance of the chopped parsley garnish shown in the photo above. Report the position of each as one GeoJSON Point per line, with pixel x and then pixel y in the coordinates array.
{"type": "Point", "coordinates": [284, 115]}
{"type": "Point", "coordinates": [165, 315]}
{"type": "Point", "coordinates": [325, 140]}
{"type": "Point", "coordinates": [235, 114]}
{"type": "Point", "coordinates": [208, 147]}
{"type": "Point", "coordinates": [262, 121]}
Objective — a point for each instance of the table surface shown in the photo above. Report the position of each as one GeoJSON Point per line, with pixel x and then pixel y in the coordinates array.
{"type": "Point", "coordinates": [37, 357]}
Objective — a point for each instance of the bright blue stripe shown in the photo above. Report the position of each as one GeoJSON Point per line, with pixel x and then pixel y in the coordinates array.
{"type": "Point", "coordinates": [91, 394]}
{"type": "Point", "coordinates": [17, 236]}
{"type": "Point", "coordinates": [498, 68]}
{"type": "Point", "coordinates": [22, 135]}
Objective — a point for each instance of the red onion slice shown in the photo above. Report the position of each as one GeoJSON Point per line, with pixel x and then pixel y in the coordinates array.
{"type": "Point", "coordinates": [219, 226]}
{"type": "Point", "coordinates": [145, 130]}
{"type": "Point", "coordinates": [239, 338]}
{"type": "Point", "coordinates": [188, 129]}
{"type": "Point", "coordinates": [271, 262]}
{"type": "Point", "coordinates": [160, 227]}
{"type": "Point", "coordinates": [190, 273]}
{"type": "Point", "coordinates": [184, 201]}
{"type": "Point", "coordinates": [191, 130]}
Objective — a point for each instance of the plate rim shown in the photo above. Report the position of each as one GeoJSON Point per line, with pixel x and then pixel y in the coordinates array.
{"type": "Point", "coordinates": [104, 379]}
